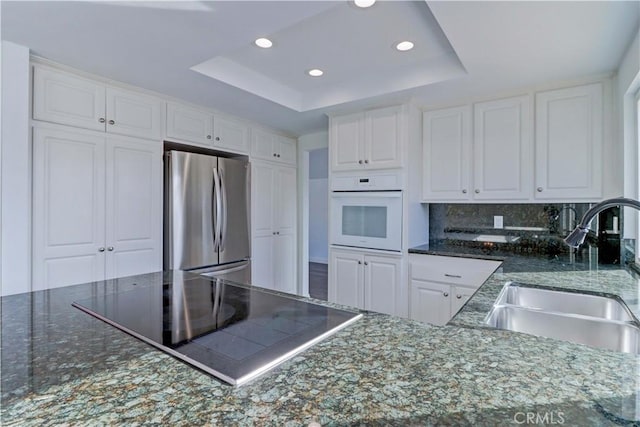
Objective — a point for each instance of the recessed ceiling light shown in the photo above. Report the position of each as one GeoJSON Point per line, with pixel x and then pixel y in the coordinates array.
{"type": "Point", "coordinates": [404, 46]}
{"type": "Point", "coordinates": [264, 43]}
{"type": "Point", "coordinates": [364, 3]}
{"type": "Point", "coordinates": [315, 72]}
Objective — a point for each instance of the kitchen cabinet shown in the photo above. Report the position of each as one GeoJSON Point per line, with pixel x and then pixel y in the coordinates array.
{"type": "Point", "coordinates": [97, 203]}
{"type": "Point", "coordinates": [64, 98]}
{"type": "Point", "coordinates": [368, 140]}
{"type": "Point", "coordinates": [273, 213]}
{"type": "Point", "coordinates": [367, 281]}
{"type": "Point", "coordinates": [496, 147]}
{"type": "Point", "coordinates": [185, 123]}
{"type": "Point", "coordinates": [441, 285]}
{"type": "Point", "coordinates": [266, 145]}
{"type": "Point", "coordinates": [569, 134]}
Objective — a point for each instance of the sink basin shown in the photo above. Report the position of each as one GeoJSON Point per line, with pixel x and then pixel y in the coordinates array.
{"type": "Point", "coordinates": [611, 335]}
{"type": "Point", "coordinates": [582, 318]}
{"type": "Point", "coordinates": [564, 302]}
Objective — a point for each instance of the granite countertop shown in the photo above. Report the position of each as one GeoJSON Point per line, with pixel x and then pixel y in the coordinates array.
{"type": "Point", "coordinates": [60, 365]}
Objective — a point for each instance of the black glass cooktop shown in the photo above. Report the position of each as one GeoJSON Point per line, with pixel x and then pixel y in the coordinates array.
{"type": "Point", "coordinates": [231, 331]}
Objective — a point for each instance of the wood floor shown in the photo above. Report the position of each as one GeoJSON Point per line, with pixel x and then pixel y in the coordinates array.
{"type": "Point", "coordinates": [318, 287]}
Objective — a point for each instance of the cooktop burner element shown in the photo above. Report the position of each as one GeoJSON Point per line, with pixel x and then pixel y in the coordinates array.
{"type": "Point", "coordinates": [231, 331]}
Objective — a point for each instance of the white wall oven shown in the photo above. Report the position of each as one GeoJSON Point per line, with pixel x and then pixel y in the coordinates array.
{"type": "Point", "coordinates": [367, 219]}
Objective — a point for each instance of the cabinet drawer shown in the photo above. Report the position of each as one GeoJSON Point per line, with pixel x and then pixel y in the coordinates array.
{"type": "Point", "coordinates": [453, 270]}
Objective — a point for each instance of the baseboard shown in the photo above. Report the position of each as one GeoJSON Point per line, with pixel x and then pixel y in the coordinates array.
{"type": "Point", "coordinates": [319, 260]}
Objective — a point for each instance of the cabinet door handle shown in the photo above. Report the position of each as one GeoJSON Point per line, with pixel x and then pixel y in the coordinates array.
{"type": "Point", "coordinates": [101, 120]}
{"type": "Point", "coordinates": [110, 248]}
{"type": "Point", "coordinates": [100, 249]}
{"type": "Point", "coordinates": [278, 155]}
{"type": "Point", "coordinates": [359, 161]}
{"type": "Point", "coordinates": [458, 296]}
{"type": "Point", "coordinates": [456, 276]}
{"type": "Point", "coordinates": [464, 191]}
{"type": "Point", "coordinates": [366, 161]}
{"type": "Point", "coordinates": [208, 136]}
{"type": "Point", "coordinates": [366, 263]}
{"type": "Point", "coordinates": [111, 122]}
{"type": "Point", "coordinates": [217, 138]}
{"type": "Point", "coordinates": [446, 294]}
{"type": "Point", "coordinates": [477, 191]}
{"type": "Point", "coordinates": [539, 189]}
{"type": "Point", "coordinates": [359, 262]}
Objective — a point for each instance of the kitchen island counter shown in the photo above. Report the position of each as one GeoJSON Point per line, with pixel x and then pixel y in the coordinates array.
{"type": "Point", "coordinates": [60, 365]}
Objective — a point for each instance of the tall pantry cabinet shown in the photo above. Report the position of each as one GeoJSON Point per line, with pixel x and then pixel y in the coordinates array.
{"type": "Point", "coordinates": [97, 180]}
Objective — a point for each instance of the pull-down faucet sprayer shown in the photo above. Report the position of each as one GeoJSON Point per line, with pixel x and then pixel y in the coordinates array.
{"type": "Point", "coordinates": [577, 236]}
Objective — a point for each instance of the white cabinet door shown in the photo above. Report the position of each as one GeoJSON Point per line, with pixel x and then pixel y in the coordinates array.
{"type": "Point", "coordinates": [502, 150]}
{"type": "Point", "coordinates": [430, 302]}
{"type": "Point", "coordinates": [262, 198]}
{"type": "Point", "coordinates": [285, 201]}
{"type": "Point", "coordinates": [345, 278]}
{"type": "Point", "coordinates": [346, 140]}
{"type": "Point", "coordinates": [459, 296]}
{"type": "Point", "coordinates": [133, 206]}
{"type": "Point", "coordinates": [189, 124]}
{"type": "Point", "coordinates": [63, 98]}
{"type": "Point", "coordinates": [382, 289]}
{"type": "Point", "coordinates": [133, 114]}
{"type": "Point", "coordinates": [68, 207]}
{"type": "Point", "coordinates": [383, 138]}
{"type": "Point", "coordinates": [446, 149]}
{"type": "Point", "coordinates": [284, 264]}
{"type": "Point", "coordinates": [287, 150]}
{"type": "Point", "coordinates": [262, 261]}
{"type": "Point", "coordinates": [263, 144]}
{"type": "Point", "coordinates": [230, 135]}
{"type": "Point", "coordinates": [569, 133]}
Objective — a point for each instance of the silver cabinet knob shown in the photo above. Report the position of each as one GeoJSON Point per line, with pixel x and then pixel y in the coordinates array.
{"type": "Point", "coordinates": [275, 155]}
{"type": "Point", "coordinates": [208, 136]}
{"type": "Point", "coordinates": [360, 161]}
{"type": "Point", "coordinates": [539, 189]}
{"type": "Point", "coordinates": [274, 233]}
{"type": "Point", "coordinates": [100, 249]}
{"type": "Point", "coordinates": [110, 248]}
{"type": "Point", "coordinates": [359, 262]}
{"type": "Point", "coordinates": [101, 120]}
{"type": "Point", "coordinates": [464, 191]}
{"type": "Point", "coordinates": [477, 191]}
{"type": "Point", "coordinates": [366, 161]}
{"type": "Point", "coordinates": [278, 155]}
{"type": "Point", "coordinates": [366, 263]}
{"type": "Point", "coordinates": [111, 122]}
{"type": "Point", "coordinates": [217, 138]}
{"type": "Point", "coordinates": [458, 296]}
{"type": "Point", "coordinates": [446, 294]}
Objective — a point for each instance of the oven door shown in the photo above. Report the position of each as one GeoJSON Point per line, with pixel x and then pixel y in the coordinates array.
{"type": "Point", "coordinates": [367, 219]}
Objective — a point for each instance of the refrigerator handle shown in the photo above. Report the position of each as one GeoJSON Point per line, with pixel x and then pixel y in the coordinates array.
{"type": "Point", "coordinates": [218, 210]}
{"type": "Point", "coordinates": [223, 222]}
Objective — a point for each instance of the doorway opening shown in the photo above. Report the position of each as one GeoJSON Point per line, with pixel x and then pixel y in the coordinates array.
{"type": "Point", "coordinates": [318, 223]}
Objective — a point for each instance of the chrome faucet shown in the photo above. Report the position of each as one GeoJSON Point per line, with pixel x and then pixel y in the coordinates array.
{"type": "Point", "coordinates": [577, 236]}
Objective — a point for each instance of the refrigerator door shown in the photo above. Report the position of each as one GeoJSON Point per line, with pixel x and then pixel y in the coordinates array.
{"type": "Point", "coordinates": [234, 236]}
{"type": "Point", "coordinates": [190, 207]}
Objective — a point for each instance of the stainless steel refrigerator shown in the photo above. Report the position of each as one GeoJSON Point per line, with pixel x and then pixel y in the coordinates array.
{"type": "Point", "coordinates": [206, 215]}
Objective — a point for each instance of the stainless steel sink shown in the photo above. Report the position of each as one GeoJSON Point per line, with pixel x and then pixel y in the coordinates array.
{"type": "Point", "coordinates": [581, 318]}
{"type": "Point", "coordinates": [564, 302]}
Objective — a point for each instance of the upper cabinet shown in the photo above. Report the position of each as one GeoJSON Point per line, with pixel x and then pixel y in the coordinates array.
{"type": "Point", "coordinates": [64, 98]}
{"type": "Point", "coordinates": [369, 140]}
{"type": "Point", "coordinates": [185, 123]}
{"type": "Point", "coordinates": [487, 151]}
{"type": "Point", "coordinates": [496, 146]}
{"type": "Point", "coordinates": [267, 145]}
{"type": "Point", "coordinates": [569, 133]}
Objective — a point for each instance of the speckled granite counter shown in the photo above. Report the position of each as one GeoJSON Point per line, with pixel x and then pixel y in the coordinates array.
{"type": "Point", "coordinates": [60, 365]}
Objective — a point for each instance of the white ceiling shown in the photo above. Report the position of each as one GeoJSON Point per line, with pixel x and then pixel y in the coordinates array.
{"type": "Point", "coordinates": [463, 49]}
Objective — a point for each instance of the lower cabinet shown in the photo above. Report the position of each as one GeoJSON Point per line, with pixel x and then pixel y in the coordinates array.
{"type": "Point", "coordinates": [97, 206]}
{"type": "Point", "coordinates": [441, 285]}
{"type": "Point", "coordinates": [367, 281]}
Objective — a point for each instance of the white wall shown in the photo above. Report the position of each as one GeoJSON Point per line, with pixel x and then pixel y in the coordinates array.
{"type": "Point", "coordinates": [628, 83]}
{"type": "Point", "coordinates": [306, 143]}
{"type": "Point", "coordinates": [16, 171]}
{"type": "Point", "coordinates": [319, 205]}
